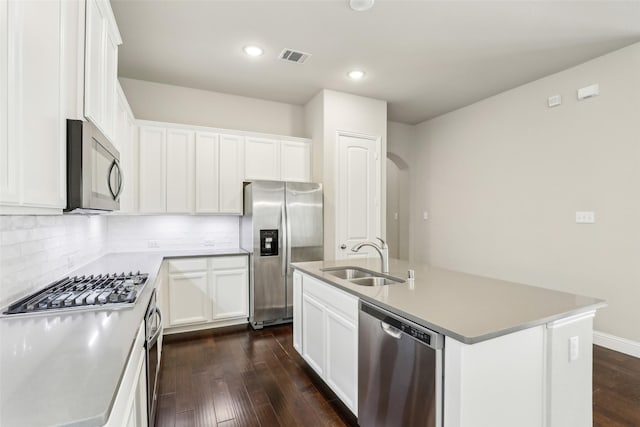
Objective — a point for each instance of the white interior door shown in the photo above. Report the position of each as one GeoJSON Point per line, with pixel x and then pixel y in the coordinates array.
{"type": "Point", "coordinates": [358, 193]}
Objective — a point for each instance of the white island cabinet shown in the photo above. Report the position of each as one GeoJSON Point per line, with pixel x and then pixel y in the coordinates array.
{"type": "Point", "coordinates": [513, 355]}
{"type": "Point", "coordinates": [326, 323]}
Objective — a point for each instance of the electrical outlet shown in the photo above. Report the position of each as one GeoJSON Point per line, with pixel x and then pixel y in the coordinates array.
{"type": "Point", "coordinates": [585, 217]}
{"type": "Point", "coordinates": [425, 215]}
{"type": "Point", "coordinates": [152, 244]}
{"type": "Point", "coordinates": [574, 346]}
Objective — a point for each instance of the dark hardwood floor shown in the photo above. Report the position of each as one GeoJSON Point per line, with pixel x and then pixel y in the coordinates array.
{"type": "Point", "coordinates": [243, 378]}
{"type": "Point", "coordinates": [616, 389]}
{"type": "Point", "coordinates": [240, 377]}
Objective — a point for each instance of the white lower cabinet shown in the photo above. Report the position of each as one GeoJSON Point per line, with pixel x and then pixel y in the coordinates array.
{"type": "Point", "coordinates": [205, 292]}
{"type": "Point", "coordinates": [188, 301]}
{"type": "Point", "coordinates": [328, 325]}
{"type": "Point", "coordinates": [130, 405]}
{"type": "Point", "coordinates": [228, 292]}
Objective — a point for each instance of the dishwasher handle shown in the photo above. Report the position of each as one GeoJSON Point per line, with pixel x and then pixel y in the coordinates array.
{"type": "Point", "coordinates": [395, 326]}
{"type": "Point", "coordinates": [390, 330]}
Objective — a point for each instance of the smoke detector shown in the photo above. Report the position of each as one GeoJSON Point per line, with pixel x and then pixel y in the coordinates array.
{"type": "Point", "coordinates": [296, 56]}
{"type": "Point", "coordinates": [361, 5]}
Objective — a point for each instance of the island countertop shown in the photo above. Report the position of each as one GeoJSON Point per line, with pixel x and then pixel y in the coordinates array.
{"type": "Point", "coordinates": [462, 306]}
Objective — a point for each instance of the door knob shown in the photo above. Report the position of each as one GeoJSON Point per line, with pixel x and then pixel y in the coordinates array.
{"type": "Point", "coordinates": [343, 246]}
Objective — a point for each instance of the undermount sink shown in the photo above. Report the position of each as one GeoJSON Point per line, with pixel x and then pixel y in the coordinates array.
{"type": "Point", "coordinates": [377, 281]}
{"type": "Point", "coordinates": [362, 277]}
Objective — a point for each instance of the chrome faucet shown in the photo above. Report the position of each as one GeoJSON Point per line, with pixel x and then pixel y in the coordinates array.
{"type": "Point", "coordinates": [383, 251]}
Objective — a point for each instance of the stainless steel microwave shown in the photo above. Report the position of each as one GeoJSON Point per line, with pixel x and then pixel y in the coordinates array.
{"type": "Point", "coordinates": [94, 174]}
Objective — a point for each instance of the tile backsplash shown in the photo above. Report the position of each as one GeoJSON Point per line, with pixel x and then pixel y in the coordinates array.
{"type": "Point", "coordinates": [135, 233]}
{"type": "Point", "coordinates": [36, 250]}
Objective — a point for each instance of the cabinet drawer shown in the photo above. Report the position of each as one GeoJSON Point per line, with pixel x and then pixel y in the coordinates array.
{"type": "Point", "coordinates": [228, 262]}
{"type": "Point", "coordinates": [343, 303]}
{"type": "Point", "coordinates": [191, 264]}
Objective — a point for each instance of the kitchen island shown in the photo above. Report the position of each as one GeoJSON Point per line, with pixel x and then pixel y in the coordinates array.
{"type": "Point", "coordinates": [513, 354]}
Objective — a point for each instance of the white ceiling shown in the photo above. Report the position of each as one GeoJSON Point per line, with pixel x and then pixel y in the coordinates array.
{"type": "Point", "coordinates": [424, 57]}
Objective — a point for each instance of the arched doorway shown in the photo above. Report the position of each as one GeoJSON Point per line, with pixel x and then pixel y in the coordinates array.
{"type": "Point", "coordinates": [397, 207]}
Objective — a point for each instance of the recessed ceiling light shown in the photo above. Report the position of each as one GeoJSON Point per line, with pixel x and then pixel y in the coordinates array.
{"type": "Point", "coordinates": [253, 50]}
{"type": "Point", "coordinates": [361, 5]}
{"type": "Point", "coordinates": [356, 74]}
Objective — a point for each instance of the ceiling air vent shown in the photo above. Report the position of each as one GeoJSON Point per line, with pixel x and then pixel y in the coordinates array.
{"type": "Point", "coordinates": [291, 55]}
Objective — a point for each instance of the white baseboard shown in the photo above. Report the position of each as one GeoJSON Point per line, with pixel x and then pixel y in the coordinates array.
{"type": "Point", "coordinates": [612, 342]}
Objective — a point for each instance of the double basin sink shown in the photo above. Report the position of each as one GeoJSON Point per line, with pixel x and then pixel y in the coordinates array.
{"type": "Point", "coordinates": [362, 276]}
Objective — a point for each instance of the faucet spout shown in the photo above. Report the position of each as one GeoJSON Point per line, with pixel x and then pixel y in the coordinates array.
{"type": "Point", "coordinates": [382, 249]}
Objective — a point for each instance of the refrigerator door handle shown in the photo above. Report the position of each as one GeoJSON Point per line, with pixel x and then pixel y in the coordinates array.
{"type": "Point", "coordinates": [284, 222]}
{"type": "Point", "coordinates": [288, 238]}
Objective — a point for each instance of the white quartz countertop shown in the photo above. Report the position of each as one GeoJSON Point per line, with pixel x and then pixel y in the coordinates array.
{"type": "Point", "coordinates": [462, 306]}
{"type": "Point", "coordinates": [64, 368]}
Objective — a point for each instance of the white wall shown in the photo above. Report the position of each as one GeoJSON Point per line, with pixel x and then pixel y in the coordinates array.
{"type": "Point", "coordinates": [503, 178]}
{"type": "Point", "coordinates": [36, 250]}
{"type": "Point", "coordinates": [176, 104]}
{"type": "Point", "coordinates": [326, 114]}
{"type": "Point", "coordinates": [400, 145]}
{"type": "Point", "coordinates": [133, 233]}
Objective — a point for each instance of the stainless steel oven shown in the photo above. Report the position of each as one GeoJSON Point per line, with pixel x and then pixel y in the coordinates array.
{"type": "Point", "coordinates": [94, 175]}
{"type": "Point", "coordinates": [153, 322]}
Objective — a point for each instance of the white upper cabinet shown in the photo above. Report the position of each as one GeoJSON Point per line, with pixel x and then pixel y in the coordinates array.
{"type": "Point", "coordinates": [126, 142]}
{"type": "Point", "coordinates": [295, 161]}
{"type": "Point", "coordinates": [32, 115]}
{"type": "Point", "coordinates": [152, 157]}
{"type": "Point", "coordinates": [8, 153]}
{"type": "Point", "coordinates": [101, 66]}
{"type": "Point", "coordinates": [262, 159]}
{"type": "Point", "coordinates": [231, 172]}
{"type": "Point", "coordinates": [207, 173]}
{"type": "Point", "coordinates": [180, 167]}
{"type": "Point", "coordinates": [193, 169]}
{"type": "Point", "coordinates": [277, 159]}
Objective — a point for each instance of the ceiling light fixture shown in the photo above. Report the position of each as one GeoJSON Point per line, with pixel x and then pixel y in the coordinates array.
{"type": "Point", "coordinates": [356, 74]}
{"type": "Point", "coordinates": [361, 5]}
{"type": "Point", "coordinates": [253, 50]}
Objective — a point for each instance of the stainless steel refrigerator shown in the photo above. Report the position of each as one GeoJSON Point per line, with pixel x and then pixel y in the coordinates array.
{"type": "Point", "coordinates": [282, 223]}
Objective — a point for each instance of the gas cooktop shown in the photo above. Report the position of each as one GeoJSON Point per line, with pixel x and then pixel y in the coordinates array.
{"type": "Point", "coordinates": [99, 291]}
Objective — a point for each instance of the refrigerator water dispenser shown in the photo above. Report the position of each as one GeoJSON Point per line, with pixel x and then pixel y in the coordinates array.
{"type": "Point", "coordinates": [268, 242]}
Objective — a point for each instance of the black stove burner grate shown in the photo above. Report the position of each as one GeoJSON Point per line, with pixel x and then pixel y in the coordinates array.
{"type": "Point", "coordinates": [83, 291]}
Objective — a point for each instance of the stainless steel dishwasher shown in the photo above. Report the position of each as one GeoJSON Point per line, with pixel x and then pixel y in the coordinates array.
{"type": "Point", "coordinates": [399, 371]}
